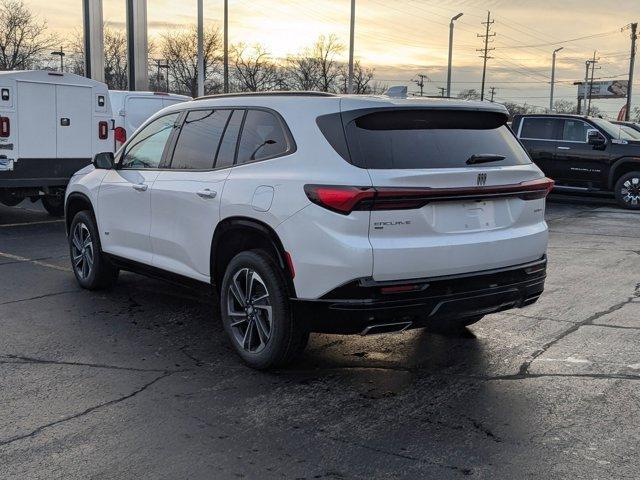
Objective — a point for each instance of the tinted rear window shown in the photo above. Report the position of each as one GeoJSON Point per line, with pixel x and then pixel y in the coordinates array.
{"type": "Point", "coordinates": [540, 128]}
{"type": "Point", "coordinates": [418, 139]}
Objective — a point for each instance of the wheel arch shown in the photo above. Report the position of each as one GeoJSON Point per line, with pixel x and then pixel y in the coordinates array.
{"type": "Point", "coordinates": [622, 166]}
{"type": "Point", "coordinates": [236, 234]}
{"type": "Point", "coordinates": [75, 203]}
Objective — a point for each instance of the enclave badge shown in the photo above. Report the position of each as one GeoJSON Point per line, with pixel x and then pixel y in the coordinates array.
{"type": "Point", "coordinates": [482, 179]}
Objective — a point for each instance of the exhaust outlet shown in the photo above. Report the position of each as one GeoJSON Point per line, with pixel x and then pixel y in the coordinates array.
{"type": "Point", "coordinates": [398, 327]}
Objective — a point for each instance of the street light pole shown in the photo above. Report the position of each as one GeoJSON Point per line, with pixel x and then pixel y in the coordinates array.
{"type": "Point", "coordinates": [553, 77]}
{"type": "Point", "coordinates": [451, 53]}
{"type": "Point", "coordinates": [200, 48]}
{"type": "Point", "coordinates": [351, 39]}
{"type": "Point", "coordinates": [226, 47]}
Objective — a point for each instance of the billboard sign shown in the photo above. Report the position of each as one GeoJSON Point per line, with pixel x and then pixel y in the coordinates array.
{"type": "Point", "coordinates": [606, 89]}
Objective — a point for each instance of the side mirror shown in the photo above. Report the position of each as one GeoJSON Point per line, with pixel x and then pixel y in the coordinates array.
{"type": "Point", "coordinates": [595, 138]}
{"type": "Point", "coordinates": [104, 160]}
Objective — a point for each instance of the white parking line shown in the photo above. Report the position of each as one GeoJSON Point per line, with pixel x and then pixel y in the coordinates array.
{"type": "Point", "coordinates": [18, 258]}
{"type": "Point", "coordinates": [30, 223]}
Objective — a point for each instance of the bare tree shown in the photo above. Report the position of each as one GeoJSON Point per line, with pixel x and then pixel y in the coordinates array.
{"type": "Point", "coordinates": [253, 69]}
{"type": "Point", "coordinates": [470, 94]}
{"type": "Point", "coordinates": [362, 76]}
{"type": "Point", "coordinates": [301, 72]}
{"type": "Point", "coordinates": [179, 49]}
{"type": "Point", "coordinates": [564, 106]}
{"type": "Point", "coordinates": [115, 59]}
{"type": "Point", "coordinates": [324, 52]}
{"type": "Point", "coordinates": [23, 37]}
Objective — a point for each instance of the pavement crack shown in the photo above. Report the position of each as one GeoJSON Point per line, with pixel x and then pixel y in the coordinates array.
{"type": "Point", "coordinates": [36, 431]}
{"type": "Point", "coordinates": [524, 367]}
{"type": "Point", "coordinates": [37, 297]}
{"type": "Point", "coordinates": [33, 360]}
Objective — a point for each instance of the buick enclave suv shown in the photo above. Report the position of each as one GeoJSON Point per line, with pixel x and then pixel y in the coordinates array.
{"type": "Point", "coordinates": [311, 212]}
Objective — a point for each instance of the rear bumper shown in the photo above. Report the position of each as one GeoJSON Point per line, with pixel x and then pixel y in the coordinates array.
{"type": "Point", "coordinates": [361, 304]}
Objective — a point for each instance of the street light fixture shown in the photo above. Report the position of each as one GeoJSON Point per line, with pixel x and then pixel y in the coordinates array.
{"type": "Point", "coordinates": [60, 53]}
{"type": "Point", "coordinates": [553, 77]}
{"type": "Point", "coordinates": [453, 19]}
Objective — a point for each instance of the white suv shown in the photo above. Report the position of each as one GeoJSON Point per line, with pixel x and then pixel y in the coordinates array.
{"type": "Point", "coordinates": [313, 212]}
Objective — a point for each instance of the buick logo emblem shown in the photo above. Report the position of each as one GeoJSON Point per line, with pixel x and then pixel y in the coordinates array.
{"type": "Point", "coordinates": [482, 179]}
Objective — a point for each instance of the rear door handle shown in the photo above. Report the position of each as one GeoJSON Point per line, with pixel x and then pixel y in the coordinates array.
{"type": "Point", "coordinates": [564, 148]}
{"type": "Point", "coordinates": [141, 187]}
{"type": "Point", "coordinates": [206, 193]}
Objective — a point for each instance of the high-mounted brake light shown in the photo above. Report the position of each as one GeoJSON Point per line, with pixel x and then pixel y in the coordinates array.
{"type": "Point", "coordinates": [5, 127]}
{"type": "Point", "coordinates": [345, 199]}
{"type": "Point", "coordinates": [103, 130]}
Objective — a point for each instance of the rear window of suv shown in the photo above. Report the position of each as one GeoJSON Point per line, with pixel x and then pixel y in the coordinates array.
{"type": "Point", "coordinates": [426, 138]}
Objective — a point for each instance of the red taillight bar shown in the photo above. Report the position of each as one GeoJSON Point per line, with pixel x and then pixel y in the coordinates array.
{"type": "Point", "coordinates": [345, 199]}
{"type": "Point", "coordinates": [5, 127]}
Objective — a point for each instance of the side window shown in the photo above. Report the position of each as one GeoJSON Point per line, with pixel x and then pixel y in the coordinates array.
{"type": "Point", "coordinates": [199, 139]}
{"type": "Point", "coordinates": [539, 128]}
{"type": "Point", "coordinates": [145, 149]}
{"type": "Point", "coordinates": [227, 150]}
{"type": "Point", "coordinates": [262, 137]}
{"type": "Point", "coordinates": [575, 131]}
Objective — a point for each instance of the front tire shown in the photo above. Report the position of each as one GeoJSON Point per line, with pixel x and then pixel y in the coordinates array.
{"type": "Point", "coordinates": [255, 311]}
{"type": "Point", "coordinates": [91, 268]}
{"type": "Point", "coordinates": [627, 191]}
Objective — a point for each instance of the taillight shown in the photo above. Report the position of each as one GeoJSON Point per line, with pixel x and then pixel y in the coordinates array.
{"type": "Point", "coordinates": [120, 135]}
{"type": "Point", "coordinates": [341, 199]}
{"type": "Point", "coordinates": [346, 199]}
{"type": "Point", "coordinates": [103, 130]}
{"type": "Point", "coordinates": [5, 127]}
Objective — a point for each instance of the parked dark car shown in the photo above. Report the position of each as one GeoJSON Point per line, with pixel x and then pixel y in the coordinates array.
{"type": "Point", "coordinates": [583, 154]}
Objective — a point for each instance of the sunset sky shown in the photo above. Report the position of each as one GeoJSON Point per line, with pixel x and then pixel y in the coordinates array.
{"type": "Point", "coordinates": [403, 38]}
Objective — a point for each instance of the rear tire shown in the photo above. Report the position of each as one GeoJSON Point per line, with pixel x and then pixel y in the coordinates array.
{"type": "Point", "coordinates": [92, 269]}
{"type": "Point", "coordinates": [53, 205]}
{"type": "Point", "coordinates": [255, 312]}
{"type": "Point", "coordinates": [452, 326]}
{"type": "Point", "coordinates": [627, 191]}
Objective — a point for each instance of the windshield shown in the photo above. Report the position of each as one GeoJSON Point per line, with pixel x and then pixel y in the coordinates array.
{"type": "Point", "coordinates": [630, 131]}
{"type": "Point", "coordinates": [614, 130]}
{"type": "Point", "coordinates": [417, 139]}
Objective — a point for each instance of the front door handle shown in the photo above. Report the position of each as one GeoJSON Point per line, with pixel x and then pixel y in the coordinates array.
{"type": "Point", "coordinates": [206, 193]}
{"type": "Point", "coordinates": [564, 148]}
{"type": "Point", "coordinates": [141, 187]}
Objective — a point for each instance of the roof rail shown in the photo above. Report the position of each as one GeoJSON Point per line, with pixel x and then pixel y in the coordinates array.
{"type": "Point", "coordinates": [268, 94]}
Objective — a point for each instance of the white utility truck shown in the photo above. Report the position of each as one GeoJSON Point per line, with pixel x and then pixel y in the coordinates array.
{"type": "Point", "coordinates": [132, 109]}
{"type": "Point", "coordinates": [51, 125]}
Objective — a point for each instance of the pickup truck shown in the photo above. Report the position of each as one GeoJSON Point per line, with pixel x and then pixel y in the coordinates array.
{"type": "Point", "coordinates": [583, 154]}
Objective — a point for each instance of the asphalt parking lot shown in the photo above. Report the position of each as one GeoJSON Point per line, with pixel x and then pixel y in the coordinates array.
{"type": "Point", "coordinates": [139, 382]}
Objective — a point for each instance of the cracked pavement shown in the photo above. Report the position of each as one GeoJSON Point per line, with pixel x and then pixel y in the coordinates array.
{"type": "Point", "coordinates": [139, 381]}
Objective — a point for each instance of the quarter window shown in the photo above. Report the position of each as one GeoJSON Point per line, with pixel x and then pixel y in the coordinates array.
{"type": "Point", "coordinates": [539, 128]}
{"type": "Point", "coordinates": [199, 139]}
{"type": "Point", "coordinates": [146, 148]}
{"type": "Point", "coordinates": [262, 137]}
{"type": "Point", "coordinates": [575, 131]}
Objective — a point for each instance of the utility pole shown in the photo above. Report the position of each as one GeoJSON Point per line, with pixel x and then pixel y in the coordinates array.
{"type": "Point", "coordinates": [60, 53]}
{"type": "Point", "coordinates": [492, 90]}
{"type": "Point", "coordinates": [200, 48]}
{"type": "Point", "coordinates": [593, 67]}
{"type": "Point", "coordinates": [226, 47]}
{"type": "Point", "coordinates": [160, 65]}
{"type": "Point", "coordinates": [420, 82]}
{"type": "Point", "coordinates": [632, 62]}
{"type": "Point", "coordinates": [443, 90]}
{"type": "Point", "coordinates": [451, 53]}
{"type": "Point", "coordinates": [553, 77]}
{"type": "Point", "coordinates": [485, 51]}
{"type": "Point", "coordinates": [351, 39]}
{"type": "Point", "coordinates": [584, 92]}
